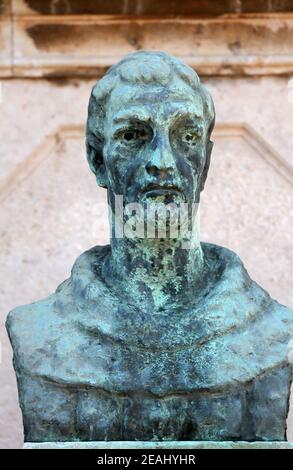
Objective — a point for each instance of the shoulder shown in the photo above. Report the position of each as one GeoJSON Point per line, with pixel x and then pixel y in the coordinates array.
{"type": "Point", "coordinates": [233, 278]}
{"type": "Point", "coordinates": [85, 267]}
{"type": "Point", "coordinates": [257, 328]}
{"type": "Point", "coordinates": [22, 318]}
{"type": "Point", "coordinates": [35, 330]}
{"type": "Point", "coordinates": [224, 259]}
{"type": "Point", "coordinates": [26, 327]}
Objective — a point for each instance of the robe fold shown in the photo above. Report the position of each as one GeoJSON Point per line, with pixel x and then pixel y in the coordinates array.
{"type": "Point", "coordinates": [92, 366]}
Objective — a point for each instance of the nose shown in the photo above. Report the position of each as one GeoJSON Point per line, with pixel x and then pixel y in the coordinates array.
{"type": "Point", "coordinates": [161, 163]}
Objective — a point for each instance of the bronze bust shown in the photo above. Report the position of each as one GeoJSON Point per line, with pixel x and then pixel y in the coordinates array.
{"type": "Point", "coordinates": [149, 339]}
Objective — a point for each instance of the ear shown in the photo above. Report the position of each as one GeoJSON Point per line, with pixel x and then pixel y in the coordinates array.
{"type": "Point", "coordinates": [94, 150]}
{"type": "Point", "coordinates": [204, 175]}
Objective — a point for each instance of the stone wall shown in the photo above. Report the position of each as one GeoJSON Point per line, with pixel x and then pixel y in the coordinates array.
{"type": "Point", "coordinates": [49, 201]}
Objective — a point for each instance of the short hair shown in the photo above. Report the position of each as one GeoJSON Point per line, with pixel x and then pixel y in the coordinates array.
{"type": "Point", "coordinates": [143, 67]}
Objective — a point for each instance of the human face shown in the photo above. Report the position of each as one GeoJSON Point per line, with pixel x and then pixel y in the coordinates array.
{"type": "Point", "coordinates": [155, 143]}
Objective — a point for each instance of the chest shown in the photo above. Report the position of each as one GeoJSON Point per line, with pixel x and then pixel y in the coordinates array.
{"type": "Point", "coordinates": [92, 415]}
{"type": "Point", "coordinates": [253, 411]}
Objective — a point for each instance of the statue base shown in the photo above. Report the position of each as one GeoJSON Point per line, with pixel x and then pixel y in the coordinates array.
{"type": "Point", "coordinates": [160, 445]}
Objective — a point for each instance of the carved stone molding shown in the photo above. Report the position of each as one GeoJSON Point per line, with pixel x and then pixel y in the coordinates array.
{"type": "Point", "coordinates": [44, 150]}
{"type": "Point", "coordinates": [41, 39]}
{"type": "Point", "coordinates": [258, 144]}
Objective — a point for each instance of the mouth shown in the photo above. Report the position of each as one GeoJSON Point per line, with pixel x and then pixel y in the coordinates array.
{"type": "Point", "coordinates": [161, 189]}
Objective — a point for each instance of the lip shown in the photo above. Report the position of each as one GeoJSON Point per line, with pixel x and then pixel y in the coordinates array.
{"type": "Point", "coordinates": [161, 188]}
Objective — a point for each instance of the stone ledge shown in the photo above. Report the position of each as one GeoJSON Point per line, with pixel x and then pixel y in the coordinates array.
{"type": "Point", "coordinates": [47, 45]}
{"type": "Point", "coordinates": [160, 445]}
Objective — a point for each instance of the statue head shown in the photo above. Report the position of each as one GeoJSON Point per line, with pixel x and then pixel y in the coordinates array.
{"type": "Point", "coordinates": [148, 130]}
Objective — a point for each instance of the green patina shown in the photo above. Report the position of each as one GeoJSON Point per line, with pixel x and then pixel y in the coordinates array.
{"type": "Point", "coordinates": [161, 338]}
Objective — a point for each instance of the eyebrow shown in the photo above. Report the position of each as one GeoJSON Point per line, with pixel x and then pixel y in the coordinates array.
{"type": "Point", "coordinates": [186, 114]}
{"type": "Point", "coordinates": [135, 113]}
{"type": "Point", "coordinates": [186, 110]}
{"type": "Point", "coordinates": [129, 114]}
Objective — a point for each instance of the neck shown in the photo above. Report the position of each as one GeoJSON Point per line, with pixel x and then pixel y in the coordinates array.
{"type": "Point", "coordinates": [153, 272]}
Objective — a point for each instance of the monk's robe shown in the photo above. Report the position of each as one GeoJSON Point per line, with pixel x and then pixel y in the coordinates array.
{"type": "Point", "coordinates": [92, 366]}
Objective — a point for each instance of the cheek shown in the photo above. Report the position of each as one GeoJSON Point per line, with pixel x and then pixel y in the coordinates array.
{"type": "Point", "coordinates": [184, 168]}
{"type": "Point", "coordinates": [191, 164]}
{"type": "Point", "coordinates": [197, 160]}
{"type": "Point", "coordinates": [116, 161]}
{"type": "Point", "coordinates": [123, 166]}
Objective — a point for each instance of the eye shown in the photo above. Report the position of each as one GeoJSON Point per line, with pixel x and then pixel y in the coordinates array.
{"type": "Point", "coordinates": [134, 135]}
{"type": "Point", "coordinates": [191, 136]}
{"type": "Point", "coordinates": [188, 137]}
{"type": "Point", "coordinates": [129, 135]}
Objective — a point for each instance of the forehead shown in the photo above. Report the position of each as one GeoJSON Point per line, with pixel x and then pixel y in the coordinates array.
{"type": "Point", "coordinates": [147, 101]}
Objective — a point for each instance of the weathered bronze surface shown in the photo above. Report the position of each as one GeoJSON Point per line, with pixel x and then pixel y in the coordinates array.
{"type": "Point", "coordinates": [153, 338]}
